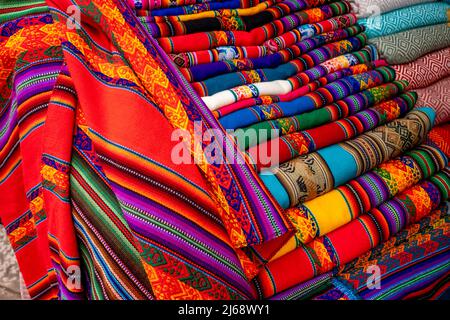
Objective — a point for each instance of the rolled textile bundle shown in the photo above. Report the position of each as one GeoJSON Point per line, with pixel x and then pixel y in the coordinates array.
{"type": "Point", "coordinates": [366, 8]}
{"type": "Point", "coordinates": [299, 143]}
{"type": "Point", "coordinates": [406, 18]}
{"type": "Point", "coordinates": [407, 46]}
{"type": "Point", "coordinates": [204, 71]}
{"type": "Point", "coordinates": [437, 96]}
{"type": "Point", "coordinates": [413, 265]}
{"type": "Point", "coordinates": [305, 61]}
{"type": "Point", "coordinates": [338, 110]}
{"type": "Point", "coordinates": [426, 70]}
{"type": "Point", "coordinates": [309, 176]}
{"type": "Point", "coordinates": [339, 247]}
{"type": "Point", "coordinates": [338, 207]}
{"type": "Point", "coordinates": [320, 18]}
{"type": "Point", "coordinates": [210, 9]}
{"type": "Point", "coordinates": [327, 94]}
{"type": "Point", "coordinates": [351, 280]}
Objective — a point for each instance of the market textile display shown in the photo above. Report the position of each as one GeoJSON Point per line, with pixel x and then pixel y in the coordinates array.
{"type": "Point", "coordinates": [323, 152]}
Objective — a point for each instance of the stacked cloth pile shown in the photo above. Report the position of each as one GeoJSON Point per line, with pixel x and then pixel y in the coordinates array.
{"type": "Point", "coordinates": [414, 37]}
{"type": "Point", "coordinates": [226, 149]}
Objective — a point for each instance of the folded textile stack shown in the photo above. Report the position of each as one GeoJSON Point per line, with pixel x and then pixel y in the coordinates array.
{"type": "Point", "coordinates": [414, 36]}
{"type": "Point", "coordinates": [323, 152]}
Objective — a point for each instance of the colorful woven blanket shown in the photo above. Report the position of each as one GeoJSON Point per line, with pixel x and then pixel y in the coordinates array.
{"type": "Point", "coordinates": [224, 149]}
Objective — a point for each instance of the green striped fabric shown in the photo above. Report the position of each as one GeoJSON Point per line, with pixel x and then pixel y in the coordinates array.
{"type": "Point", "coordinates": [10, 10]}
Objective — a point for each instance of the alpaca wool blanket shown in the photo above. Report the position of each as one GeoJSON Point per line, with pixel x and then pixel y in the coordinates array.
{"type": "Point", "coordinates": [338, 247]}
{"type": "Point", "coordinates": [426, 70]}
{"type": "Point", "coordinates": [406, 18]}
{"type": "Point", "coordinates": [437, 96]}
{"type": "Point", "coordinates": [225, 51]}
{"type": "Point", "coordinates": [407, 46]}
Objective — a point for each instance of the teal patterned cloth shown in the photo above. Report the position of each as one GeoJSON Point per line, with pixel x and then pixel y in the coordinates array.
{"type": "Point", "coordinates": [406, 18]}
